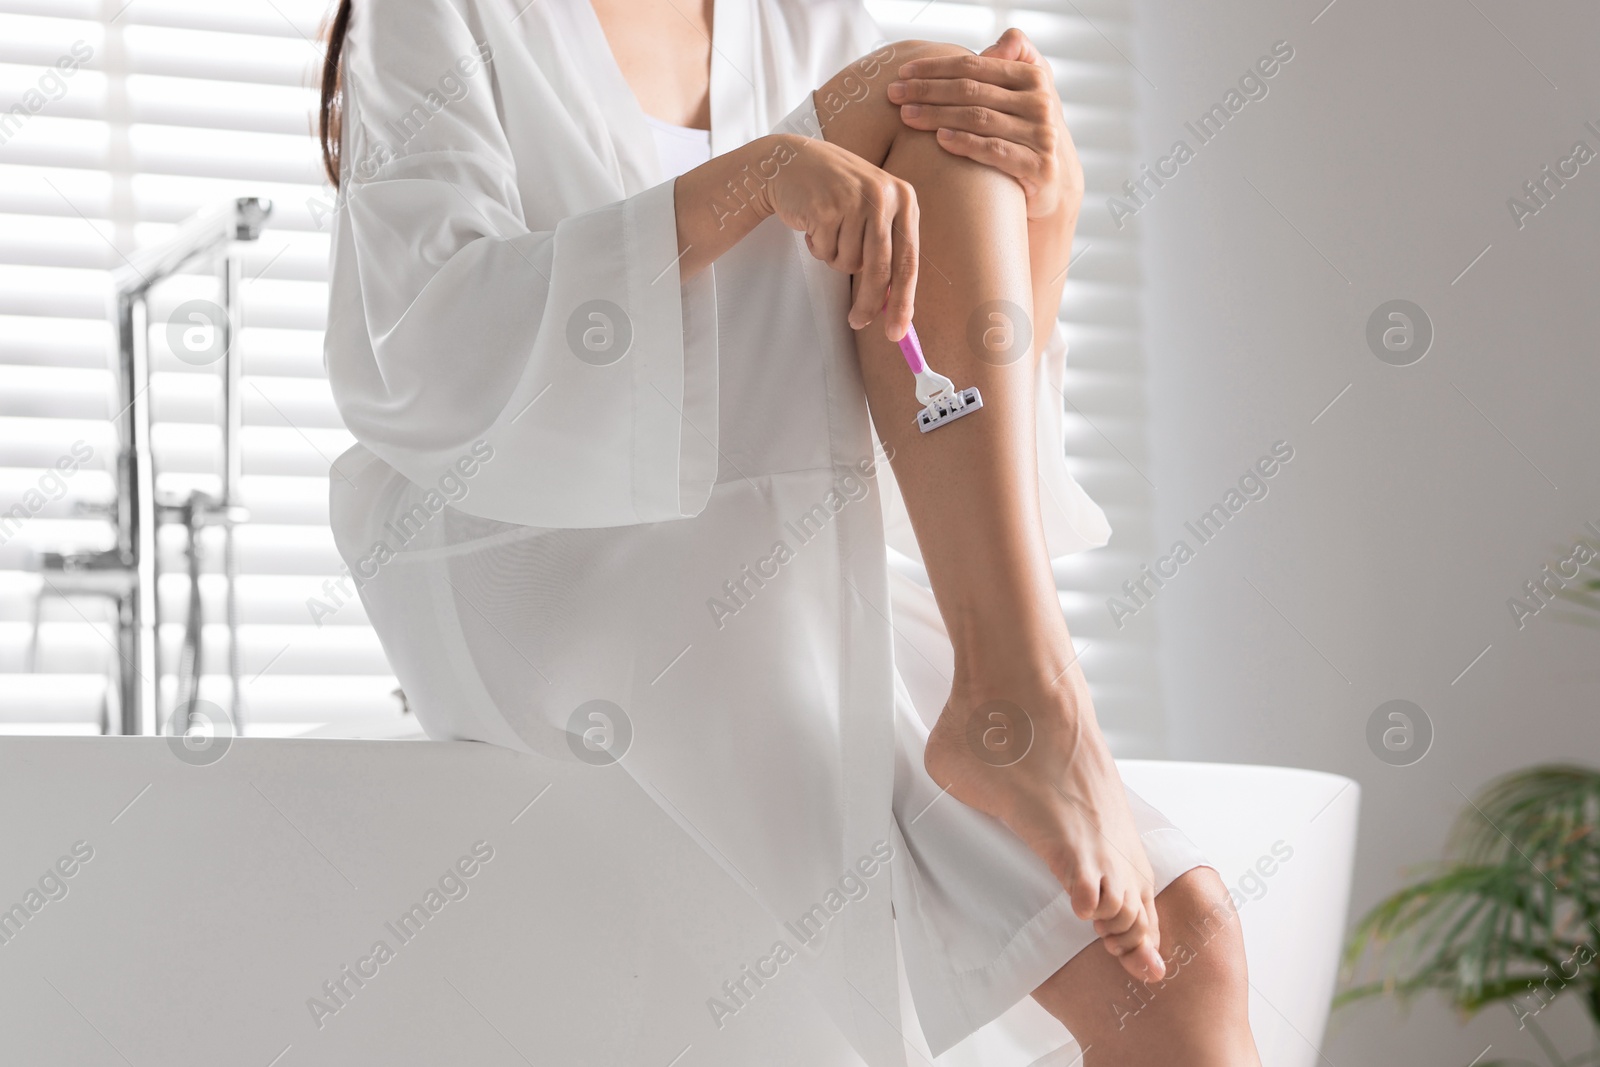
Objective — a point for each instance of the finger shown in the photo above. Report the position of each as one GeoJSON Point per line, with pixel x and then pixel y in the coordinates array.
{"type": "Point", "coordinates": [847, 254]}
{"type": "Point", "coordinates": [1018, 160]}
{"type": "Point", "coordinates": [957, 91]}
{"type": "Point", "coordinates": [963, 93]}
{"type": "Point", "coordinates": [1004, 48]}
{"type": "Point", "coordinates": [1014, 44]}
{"type": "Point", "coordinates": [1006, 73]}
{"type": "Point", "coordinates": [975, 120]}
{"type": "Point", "coordinates": [905, 249]}
{"type": "Point", "coordinates": [877, 270]}
{"type": "Point", "coordinates": [824, 241]}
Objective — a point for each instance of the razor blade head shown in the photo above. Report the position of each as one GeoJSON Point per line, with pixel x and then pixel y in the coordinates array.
{"type": "Point", "coordinates": [948, 409]}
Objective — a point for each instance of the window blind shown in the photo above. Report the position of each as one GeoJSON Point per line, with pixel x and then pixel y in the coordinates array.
{"type": "Point", "coordinates": [122, 119]}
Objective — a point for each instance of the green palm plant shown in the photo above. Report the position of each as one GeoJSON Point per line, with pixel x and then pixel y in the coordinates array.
{"type": "Point", "coordinates": [1511, 916]}
{"type": "Point", "coordinates": [1584, 592]}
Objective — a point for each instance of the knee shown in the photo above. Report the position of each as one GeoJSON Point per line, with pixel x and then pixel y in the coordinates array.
{"type": "Point", "coordinates": [882, 65]}
{"type": "Point", "coordinates": [902, 52]}
{"type": "Point", "coordinates": [853, 106]}
{"type": "Point", "coordinates": [1201, 938]}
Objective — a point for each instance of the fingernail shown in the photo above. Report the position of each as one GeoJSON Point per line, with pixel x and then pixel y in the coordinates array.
{"type": "Point", "coordinates": [911, 111]}
{"type": "Point", "coordinates": [945, 134]}
{"type": "Point", "coordinates": [897, 90]}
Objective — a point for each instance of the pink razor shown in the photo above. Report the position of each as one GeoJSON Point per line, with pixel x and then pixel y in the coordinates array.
{"type": "Point", "coordinates": [942, 401]}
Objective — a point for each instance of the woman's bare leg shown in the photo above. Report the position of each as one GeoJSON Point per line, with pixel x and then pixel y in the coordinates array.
{"type": "Point", "coordinates": [1198, 1015]}
{"type": "Point", "coordinates": [1018, 738]}
{"type": "Point", "coordinates": [971, 489]}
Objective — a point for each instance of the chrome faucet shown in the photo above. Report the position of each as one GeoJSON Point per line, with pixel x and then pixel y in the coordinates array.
{"type": "Point", "coordinates": [128, 573]}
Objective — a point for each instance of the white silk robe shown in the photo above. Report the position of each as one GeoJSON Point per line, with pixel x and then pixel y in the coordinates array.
{"type": "Point", "coordinates": [673, 507]}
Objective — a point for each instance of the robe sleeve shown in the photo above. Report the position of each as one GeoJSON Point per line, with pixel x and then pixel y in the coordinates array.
{"type": "Point", "coordinates": [558, 365]}
{"type": "Point", "coordinates": [1072, 520]}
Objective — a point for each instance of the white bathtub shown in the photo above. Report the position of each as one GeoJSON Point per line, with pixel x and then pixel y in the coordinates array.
{"type": "Point", "coordinates": [217, 900]}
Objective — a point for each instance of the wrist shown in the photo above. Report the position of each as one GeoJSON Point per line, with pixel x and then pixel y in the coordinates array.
{"type": "Point", "coordinates": [761, 166]}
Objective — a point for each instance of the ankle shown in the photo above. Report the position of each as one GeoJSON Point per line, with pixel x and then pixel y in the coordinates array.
{"type": "Point", "coordinates": [1033, 665]}
{"type": "Point", "coordinates": [1044, 692]}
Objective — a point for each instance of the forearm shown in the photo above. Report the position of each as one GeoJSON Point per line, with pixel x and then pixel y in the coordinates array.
{"type": "Point", "coordinates": [719, 202]}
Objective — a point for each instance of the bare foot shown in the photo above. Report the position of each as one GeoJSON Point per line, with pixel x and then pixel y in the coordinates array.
{"type": "Point", "coordinates": [1031, 755]}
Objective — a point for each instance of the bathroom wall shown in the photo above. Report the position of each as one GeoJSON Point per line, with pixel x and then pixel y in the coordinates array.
{"type": "Point", "coordinates": [1431, 477]}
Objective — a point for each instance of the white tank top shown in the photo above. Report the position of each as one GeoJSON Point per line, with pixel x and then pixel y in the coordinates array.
{"type": "Point", "coordinates": [680, 148]}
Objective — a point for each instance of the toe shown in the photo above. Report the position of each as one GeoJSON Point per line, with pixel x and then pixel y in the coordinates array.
{"type": "Point", "coordinates": [1132, 937]}
{"type": "Point", "coordinates": [1152, 918]}
{"type": "Point", "coordinates": [1144, 963]}
{"type": "Point", "coordinates": [1123, 920]}
{"type": "Point", "coordinates": [1112, 901]}
{"type": "Point", "coordinates": [1084, 889]}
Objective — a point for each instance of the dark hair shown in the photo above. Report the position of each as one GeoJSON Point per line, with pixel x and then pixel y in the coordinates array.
{"type": "Point", "coordinates": [332, 106]}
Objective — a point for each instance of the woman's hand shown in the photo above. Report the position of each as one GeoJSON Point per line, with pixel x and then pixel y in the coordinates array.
{"type": "Point", "coordinates": [857, 218]}
{"type": "Point", "coordinates": [999, 108]}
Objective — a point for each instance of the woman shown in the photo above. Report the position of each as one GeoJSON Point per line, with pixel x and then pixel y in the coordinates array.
{"type": "Point", "coordinates": [613, 295]}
